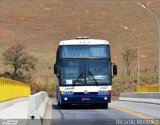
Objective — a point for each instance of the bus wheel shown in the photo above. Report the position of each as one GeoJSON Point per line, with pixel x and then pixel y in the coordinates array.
{"type": "Point", "coordinates": [64, 106]}
{"type": "Point", "coordinates": [61, 106]}
{"type": "Point", "coordinates": [58, 104]}
{"type": "Point", "coordinates": [105, 106]}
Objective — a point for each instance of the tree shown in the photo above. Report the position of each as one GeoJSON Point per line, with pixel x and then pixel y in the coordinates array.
{"type": "Point", "coordinates": [20, 61]}
{"type": "Point", "coordinates": [129, 55]}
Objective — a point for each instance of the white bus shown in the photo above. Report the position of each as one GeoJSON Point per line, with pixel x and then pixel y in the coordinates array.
{"type": "Point", "coordinates": [83, 71]}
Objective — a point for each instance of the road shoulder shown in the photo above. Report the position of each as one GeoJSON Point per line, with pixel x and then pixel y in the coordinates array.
{"type": "Point", "coordinates": [149, 110]}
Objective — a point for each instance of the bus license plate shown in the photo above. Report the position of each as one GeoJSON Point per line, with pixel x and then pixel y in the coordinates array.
{"type": "Point", "coordinates": [86, 99]}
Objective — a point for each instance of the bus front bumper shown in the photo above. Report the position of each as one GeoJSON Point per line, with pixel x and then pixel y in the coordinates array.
{"type": "Point", "coordinates": [85, 99]}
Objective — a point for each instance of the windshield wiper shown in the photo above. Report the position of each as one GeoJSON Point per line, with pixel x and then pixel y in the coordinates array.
{"type": "Point", "coordinates": [80, 75]}
{"type": "Point", "coordinates": [93, 77]}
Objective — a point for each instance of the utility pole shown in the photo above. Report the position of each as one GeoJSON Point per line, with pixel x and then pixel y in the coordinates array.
{"type": "Point", "coordinates": [138, 56]}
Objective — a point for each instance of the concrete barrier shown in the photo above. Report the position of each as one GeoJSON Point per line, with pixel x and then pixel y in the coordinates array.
{"type": "Point", "coordinates": [37, 104]}
{"type": "Point", "coordinates": [141, 97]}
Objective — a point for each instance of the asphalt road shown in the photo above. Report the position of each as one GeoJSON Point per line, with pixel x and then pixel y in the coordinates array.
{"type": "Point", "coordinates": [87, 115]}
{"type": "Point", "coordinates": [152, 110]}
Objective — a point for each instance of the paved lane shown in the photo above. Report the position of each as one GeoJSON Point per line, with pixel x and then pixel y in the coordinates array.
{"type": "Point", "coordinates": [151, 110]}
{"type": "Point", "coordinates": [87, 115]}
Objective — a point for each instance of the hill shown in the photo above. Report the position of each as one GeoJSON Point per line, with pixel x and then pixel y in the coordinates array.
{"type": "Point", "coordinates": [40, 25]}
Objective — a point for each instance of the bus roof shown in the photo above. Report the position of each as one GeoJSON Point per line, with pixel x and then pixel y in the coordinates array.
{"type": "Point", "coordinates": [83, 42]}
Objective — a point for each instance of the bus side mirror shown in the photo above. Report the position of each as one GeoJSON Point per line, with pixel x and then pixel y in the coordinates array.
{"type": "Point", "coordinates": [55, 69]}
{"type": "Point", "coordinates": [114, 70]}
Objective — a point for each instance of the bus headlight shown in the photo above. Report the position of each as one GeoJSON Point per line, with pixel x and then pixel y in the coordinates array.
{"type": "Point", "coordinates": [105, 98]}
{"type": "Point", "coordinates": [102, 92]}
{"type": "Point", "coordinates": [67, 92]}
{"type": "Point", "coordinates": [65, 99]}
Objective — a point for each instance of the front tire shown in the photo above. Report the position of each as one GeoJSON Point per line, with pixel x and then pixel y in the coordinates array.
{"type": "Point", "coordinates": [64, 106]}
{"type": "Point", "coordinates": [105, 106]}
{"type": "Point", "coordinates": [58, 104]}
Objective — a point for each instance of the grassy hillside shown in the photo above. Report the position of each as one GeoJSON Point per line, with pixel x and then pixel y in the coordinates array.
{"type": "Point", "coordinates": [41, 24]}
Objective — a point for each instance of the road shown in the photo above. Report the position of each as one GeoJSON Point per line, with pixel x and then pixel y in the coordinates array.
{"type": "Point", "coordinates": [87, 115]}
{"type": "Point", "coordinates": [151, 110]}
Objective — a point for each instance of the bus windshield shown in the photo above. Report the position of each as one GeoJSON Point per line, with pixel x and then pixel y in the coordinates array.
{"type": "Point", "coordinates": [85, 72]}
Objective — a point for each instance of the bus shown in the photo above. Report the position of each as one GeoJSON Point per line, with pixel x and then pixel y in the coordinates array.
{"type": "Point", "coordinates": [83, 72]}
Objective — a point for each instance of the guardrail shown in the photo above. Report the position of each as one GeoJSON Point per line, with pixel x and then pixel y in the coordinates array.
{"type": "Point", "coordinates": [150, 97]}
{"type": "Point", "coordinates": [11, 89]}
{"type": "Point", "coordinates": [148, 88]}
{"type": "Point", "coordinates": [141, 95]}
